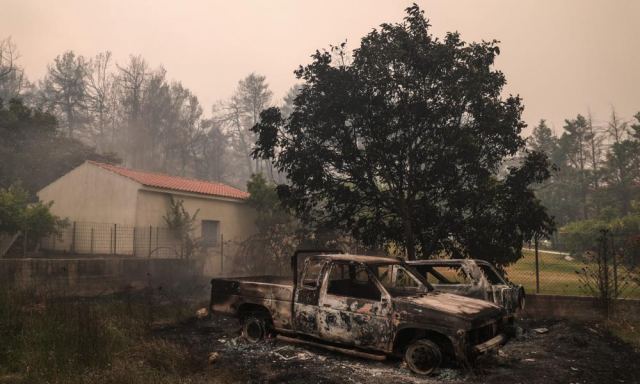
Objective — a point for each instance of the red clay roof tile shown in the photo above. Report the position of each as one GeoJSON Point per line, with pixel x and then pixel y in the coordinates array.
{"type": "Point", "coordinates": [176, 183]}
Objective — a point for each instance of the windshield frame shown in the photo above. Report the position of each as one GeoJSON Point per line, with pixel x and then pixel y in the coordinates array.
{"type": "Point", "coordinates": [501, 278]}
{"type": "Point", "coordinates": [407, 267]}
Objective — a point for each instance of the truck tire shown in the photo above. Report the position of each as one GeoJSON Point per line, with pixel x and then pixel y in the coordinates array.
{"type": "Point", "coordinates": [254, 328]}
{"type": "Point", "coordinates": [521, 299]}
{"type": "Point", "coordinates": [423, 356]}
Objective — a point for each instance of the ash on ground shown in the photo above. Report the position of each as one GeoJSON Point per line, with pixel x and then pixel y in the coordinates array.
{"type": "Point", "coordinates": [565, 353]}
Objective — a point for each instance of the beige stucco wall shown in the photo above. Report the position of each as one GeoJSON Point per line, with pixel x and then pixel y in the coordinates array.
{"type": "Point", "coordinates": [237, 222]}
{"type": "Point", "coordinates": [91, 194]}
{"type": "Point", "coordinates": [236, 217]}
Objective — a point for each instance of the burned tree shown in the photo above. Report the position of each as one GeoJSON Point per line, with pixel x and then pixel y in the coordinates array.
{"type": "Point", "coordinates": [13, 81]}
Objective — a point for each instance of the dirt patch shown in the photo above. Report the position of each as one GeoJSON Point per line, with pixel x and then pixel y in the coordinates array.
{"type": "Point", "coordinates": [566, 353]}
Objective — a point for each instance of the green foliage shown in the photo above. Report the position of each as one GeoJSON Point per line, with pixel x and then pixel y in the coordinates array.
{"type": "Point", "coordinates": [17, 214]}
{"type": "Point", "coordinates": [183, 223]}
{"type": "Point", "coordinates": [278, 232]}
{"type": "Point", "coordinates": [623, 176]}
{"type": "Point", "coordinates": [580, 236]}
{"type": "Point", "coordinates": [596, 169]}
{"type": "Point", "coordinates": [402, 144]}
{"type": "Point", "coordinates": [543, 139]}
{"type": "Point", "coordinates": [32, 152]}
{"type": "Point", "coordinates": [264, 199]}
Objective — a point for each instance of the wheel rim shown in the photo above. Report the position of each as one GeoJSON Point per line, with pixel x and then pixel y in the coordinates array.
{"type": "Point", "coordinates": [423, 358]}
{"type": "Point", "coordinates": [253, 330]}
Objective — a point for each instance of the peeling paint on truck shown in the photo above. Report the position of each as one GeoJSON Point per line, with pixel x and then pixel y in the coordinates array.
{"type": "Point", "coordinates": [472, 278]}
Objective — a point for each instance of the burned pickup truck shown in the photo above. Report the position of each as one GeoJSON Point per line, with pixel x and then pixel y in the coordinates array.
{"type": "Point", "coordinates": [472, 278]}
{"type": "Point", "coordinates": [367, 306]}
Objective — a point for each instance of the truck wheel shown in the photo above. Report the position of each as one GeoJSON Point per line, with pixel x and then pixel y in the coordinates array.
{"type": "Point", "coordinates": [254, 328]}
{"type": "Point", "coordinates": [521, 299]}
{"type": "Point", "coordinates": [423, 356]}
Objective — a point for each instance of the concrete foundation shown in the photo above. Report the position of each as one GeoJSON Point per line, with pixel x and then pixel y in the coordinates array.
{"type": "Point", "coordinates": [75, 276]}
{"type": "Point", "coordinates": [579, 308]}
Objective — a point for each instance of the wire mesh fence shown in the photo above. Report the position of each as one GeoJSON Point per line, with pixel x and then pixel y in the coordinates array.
{"type": "Point", "coordinates": [602, 264]}
{"type": "Point", "coordinates": [596, 264]}
{"type": "Point", "coordinates": [106, 239]}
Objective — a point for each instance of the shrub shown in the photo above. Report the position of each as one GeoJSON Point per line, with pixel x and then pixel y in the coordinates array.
{"type": "Point", "coordinates": [581, 236]}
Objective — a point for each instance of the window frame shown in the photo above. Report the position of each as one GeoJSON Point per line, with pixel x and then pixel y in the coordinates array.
{"type": "Point", "coordinates": [384, 295]}
{"type": "Point", "coordinates": [321, 264]}
{"type": "Point", "coordinates": [394, 276]}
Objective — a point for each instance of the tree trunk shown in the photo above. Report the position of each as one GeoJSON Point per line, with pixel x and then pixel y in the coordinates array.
{"type": "Point", "coordinates": [409, 236]}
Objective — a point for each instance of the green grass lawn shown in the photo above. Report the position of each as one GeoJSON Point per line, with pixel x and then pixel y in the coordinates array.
{"type": "Point", "coordinates": [557, 275]}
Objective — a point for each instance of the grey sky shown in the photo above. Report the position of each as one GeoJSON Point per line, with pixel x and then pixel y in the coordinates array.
{"type": "Point", "coordinates": [562, 57]}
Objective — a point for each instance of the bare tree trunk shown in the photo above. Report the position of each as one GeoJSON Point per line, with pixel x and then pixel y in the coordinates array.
{"type": "Point", "coordinates": [409, 236]}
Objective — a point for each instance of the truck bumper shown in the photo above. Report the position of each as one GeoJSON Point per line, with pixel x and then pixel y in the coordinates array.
{"type": "Point", "coordinates": [491, 344]}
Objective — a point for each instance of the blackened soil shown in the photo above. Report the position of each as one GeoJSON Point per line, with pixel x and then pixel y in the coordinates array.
{"type": "Point", "coordinates": [566, 353]}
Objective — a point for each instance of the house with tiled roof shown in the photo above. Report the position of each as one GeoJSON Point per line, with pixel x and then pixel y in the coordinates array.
{"type": "Point", "coordinates": [115, 210]}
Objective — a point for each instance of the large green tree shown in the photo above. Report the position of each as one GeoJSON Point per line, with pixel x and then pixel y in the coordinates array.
{"type": "Point", "coordinates": [622, 167]}
{"type": "Point", "coordinates": [401, 140]}
{"type": "Point", "coordinates": [574, 144]}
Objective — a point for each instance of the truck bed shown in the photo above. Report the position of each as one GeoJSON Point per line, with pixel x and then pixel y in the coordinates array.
{"type": "Point", "coordinates": [230, 295]}
{"type": "Point", "coordinates": [267, 279]}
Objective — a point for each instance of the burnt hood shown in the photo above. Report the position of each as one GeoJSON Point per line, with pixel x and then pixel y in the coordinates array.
{"type": "Point", "coordinates": [474, 311]}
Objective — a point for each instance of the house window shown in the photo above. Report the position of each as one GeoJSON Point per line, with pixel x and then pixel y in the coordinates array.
{"type": "Point", "coordinates": [210, 232]}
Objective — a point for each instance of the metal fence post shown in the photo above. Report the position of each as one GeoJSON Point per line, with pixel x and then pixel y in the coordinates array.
{"type": "Point", "coordinates": [73, 238]}
{"type": "Point", "coordinates": [150, 231]}
{"type": "Point", "coordinates": [115, 239]}
{"type": "Point", "coordinates": [24, 244]}
{"type": "Point", "coordinates": [615, 268]}
{"type": "Point", "coordinates": [606, 291]}
{"type": "Point", "coordinates": [537, 265]}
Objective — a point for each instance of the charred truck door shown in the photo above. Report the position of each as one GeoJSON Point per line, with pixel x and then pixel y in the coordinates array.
{"type": "Point", "coordinates": [305, 306]}
{"type": "Point", "coordinates": [353, 308]}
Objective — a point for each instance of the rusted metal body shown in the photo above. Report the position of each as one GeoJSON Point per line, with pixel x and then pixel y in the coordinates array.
{"type": "Point", "coordinates": [472, 278]}
{"type": "Point", "coordinates": [370, 304]}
